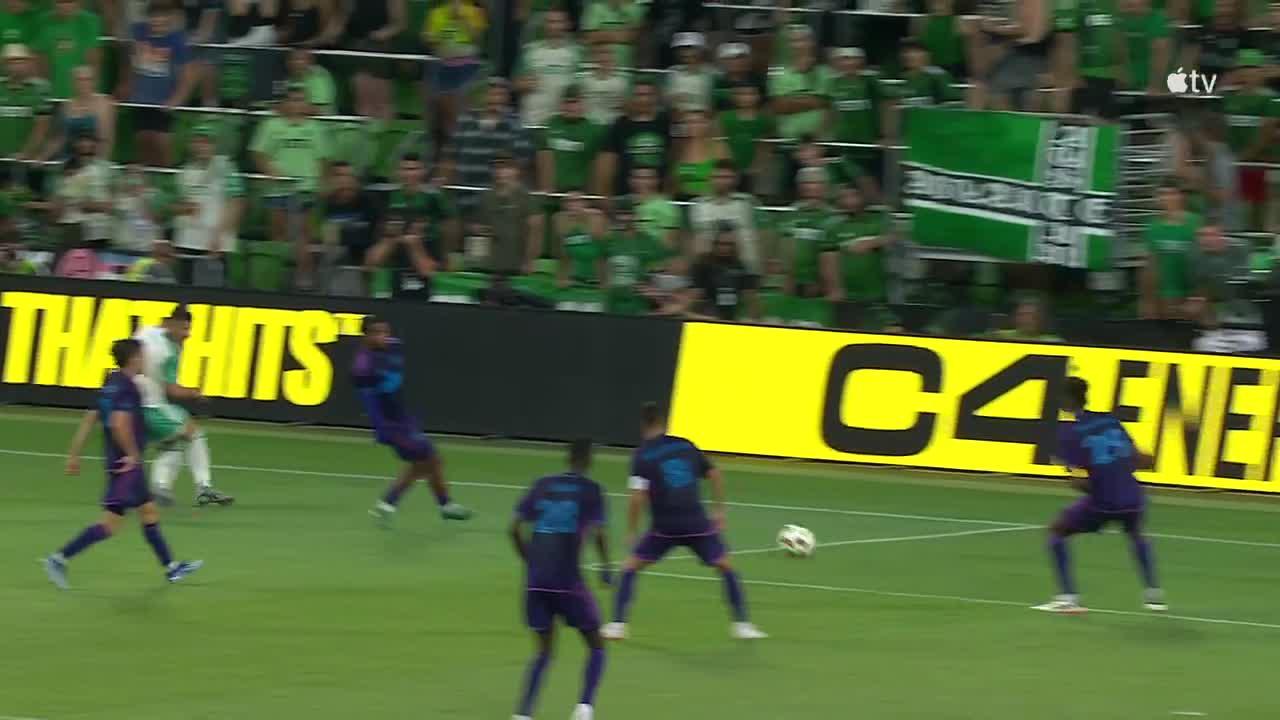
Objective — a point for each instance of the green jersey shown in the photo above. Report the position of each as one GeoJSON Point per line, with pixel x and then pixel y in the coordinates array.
{"type": "Point", "coordinates": [583, 253]}
{"type": "Point", "coordinates": [427, 203]}
{"type": "Point", "coordinates": [804, 231]}
{"type": "Point", "coordinates": [1140, 34]}
{"type": "Point", "coordinates": [856, 101]}
{"type": "Point", "coordinates": [297, 148]}
{"type": "Point", "coordinates": [573, 145]}
{"type": "Point", "coordinates": [20, 104]}
{"type": "Point", "coordinates": [65, 44]}
{"type": "Point", "coordinates": [657, 216]}
{"type": "Point", "coordinates": [1098, 39]}
{"type": "Point", "coordinates": [1170, 245]}
{"type": "Point", "coordinates": [743, 134]}
{"type": "Point", "coordinates": [786, 81]}
{"type": "Point", "coordinates": [631, 256]}
{"type": "Point", "coordinates": [18, 28]}
{"type": "Point", "coordinates": [863, 272]}
{"type": "Point", "coordinates": [609, 16]}
{"type": "Point", "coordinates": [161, 359]}
{"type": "Point", "coordinates": [1246, 113]}
{"type": "Point", "coordinates": [1066, 16]}
{"type": "Point", "coordinates": [320, 90]}
{"type": "Point", "coordinates": [941, 37]}
{"type": "Point", "coordinates": [927, 87]}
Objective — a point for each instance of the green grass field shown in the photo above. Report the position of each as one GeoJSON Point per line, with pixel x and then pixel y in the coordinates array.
{"type": "Point", "coordinates": [917, 609]}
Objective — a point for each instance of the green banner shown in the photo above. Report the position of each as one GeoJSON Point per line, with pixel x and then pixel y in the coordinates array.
{"type": "Point", "coordinates": [1010, 186]}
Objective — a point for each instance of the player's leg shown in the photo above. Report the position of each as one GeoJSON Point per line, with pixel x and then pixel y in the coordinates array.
{"type": "Point", "coordinates": [174, 570]}
{"type": "Point", "coordinates": [201, 465]}
{"type": "Point", "coordinates": [649, 550]}
{"type": "Point", "coordinates": [385, 508]}
{"type": "Point", "coordinates": [541, 619]}
{"type": "Point", "coordinates": [433, 470]}
{"type": "Point", "coordinates": [712, 551]}
{"type": "Point", "coordinates": [165, 432]}
{"type": "Point", "coordinates": [1153, 596]}
{"type": "Point", "coordinates": [591, 674]}
{"type": "Point", "coordinates": [1077, 518]}
{"type": "Point", "coordinates": [55, 565]}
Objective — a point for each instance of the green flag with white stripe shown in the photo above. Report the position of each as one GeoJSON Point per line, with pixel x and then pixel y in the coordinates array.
{"type": "Point", "coordinates": [1011, 186]}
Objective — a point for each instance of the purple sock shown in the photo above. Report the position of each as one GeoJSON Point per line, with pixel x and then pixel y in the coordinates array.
{"type": "Point", "coordinates": [533, 683]}
{"type": "Point", "coordinates": [591, 676]}
{"type": "Point", "coordinates": [93, 534]}
{"type": "Point", "coordinates": [158, 545]}
{"type": "Point", "coordinates": [733, 591]}
{"type": "Point", "coordinates": [1062, 564]}
{"type": "Point", "coordinates": [394, 492]}
{"type": "Point", "coordinates": [1146, 563]}
{"type": "Point", "coordinates": [622, 601]}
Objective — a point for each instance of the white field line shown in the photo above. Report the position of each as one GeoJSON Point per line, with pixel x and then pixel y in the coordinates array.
{"type": "Point", "coordinates": [899, 538]}
{"type": "Point", "coordinates": [757, 506]}
{"type": "Point", "coordinates": [963, 599]}
{"type": "Point", "coordinates": [18, 717]}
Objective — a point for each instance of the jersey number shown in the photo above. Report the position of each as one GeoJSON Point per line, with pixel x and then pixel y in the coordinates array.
{"type": "Point", "coordinates": [557, 516]}
{"type": "Point", "coordinates": [1108, 447]}
{"type": "Point", "coordinates": [676, 473]}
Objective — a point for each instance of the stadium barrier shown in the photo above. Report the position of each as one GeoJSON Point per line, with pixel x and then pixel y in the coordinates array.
{"type": "Point", "coordinates": [976, 405]}
{"type": "Point", "coordinates": [471, 370]}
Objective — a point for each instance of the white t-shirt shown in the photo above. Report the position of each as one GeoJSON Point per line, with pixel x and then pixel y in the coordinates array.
{"type": "Point", "coordinates": [553, 68]}
{"type": "Point", "coordinates": [91, 183]}
{"type": "Point", "coordinates": [738, 209]}
{"type": "Point", "coordinates": [604, 96]}
{"type": "Point", "coordinates": [210, 188]}
{"type": "Point", "coordinates": [160, 357]}
{"type": "Point", "coordinates": [690, 88]}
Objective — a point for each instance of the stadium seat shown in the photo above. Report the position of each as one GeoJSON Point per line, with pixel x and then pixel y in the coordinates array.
{"type": "Point", "coordinates": [209, 272]}
{"type": "Point", "coordinates": [347, 281]}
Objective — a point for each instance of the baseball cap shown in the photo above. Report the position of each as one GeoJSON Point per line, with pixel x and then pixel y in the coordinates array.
{"type": "Point", "coordinates": [733, 50]}
{"type": "Point", "coordinates": [15, 51]}
{"type": "Point", "coordinates": [847, 52]}
{"type": "Point", "coordinates": [811, 174]}
{"type": "Point", "coordinates": [688, 39]}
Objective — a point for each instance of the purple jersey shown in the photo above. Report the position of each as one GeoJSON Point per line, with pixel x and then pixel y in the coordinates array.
{"type": "Point", "coordinates": [671, 469]}
{"type": "Point", "coordinates": [379, 378]}
{"type": "Point", "coordinates": [1099, 444]}
{"type": "Point", "coordinates": [120, 394]}
{"type": "Point", "coordinates": [562, 508]}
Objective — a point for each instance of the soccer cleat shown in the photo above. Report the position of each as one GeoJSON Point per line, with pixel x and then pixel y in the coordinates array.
{"type": "Point", "coordinates": [179, 570]}
{"type": "Point", "coordinates": [209, 496]}
{"type": "Point", "coordinates": [56, 569]}
{"type": "Point", "coordinates": [746, 631]}
{"type": "Point", "coordinates": [1153, 600]}
{"type": "Point", "coordinates": [614, 631]}
{"type": "Point", "coordinates": [383, 512]}
{"type": "Point", "coordinates": [583, 712]}
{"type": "Point", "coordinates": [454, 511]}
{"type": "Point", "coordinates": [1064, 604]}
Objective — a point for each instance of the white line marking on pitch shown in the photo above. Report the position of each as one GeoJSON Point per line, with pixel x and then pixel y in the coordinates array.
{"type": "Point", "coordinates": [899, 538]}
{"type": "Point", "coordinates": [18, 717]}
{"type": "Point", "coordinates": [1188, 713]}
{"type": "Point", "coordinates": [758, 506]}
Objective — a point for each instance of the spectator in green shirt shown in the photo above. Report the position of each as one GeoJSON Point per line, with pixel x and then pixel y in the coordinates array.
{"type": "Point", "coordinates": [745, 127]}
{"type": "Point", "coordinates": [579, 232]}
{"type": "Point", "coordinates": [1028, 323]}
{"type": "Point", "coordinates": [802, 235]}
{"type": "Point", "coordinates": [631, 253]}
{"type": "Point", "coordinates": [1253, 113]}
{"type": "Point", "coordinates": [292, 144]}
{"type": "Point", "coordinates": [18, 23]}
{"type": "Point", "coordinates": [654, 212]}
{"type": "Point", "coordinates": [1100, 47]}
{"type": "Point", "coordinates": [317, 83]}
{"type": "Point", "coordinates": [853, 258]}
{"type": "Point", "coordinates": [25, 110]}
{"type": "Point", "coordinates": [796, 90]}
{"type": "Point", "coordinates": [567, 147]}
{"type": "Point", "coordinates": [420, 199]}
{"type": "Point", "coordinates": [1147, 46]}
{"type": "Point", "coordinates": [1218, 266]}
{"type": "Point", "coordinates": [923, 85]}
{"type": "Point", "coordinates": [1170, 239]}
{"type": "Point", "coordinates": [614, 24]}
{"type": "Point", "coordinates": [67, 38]}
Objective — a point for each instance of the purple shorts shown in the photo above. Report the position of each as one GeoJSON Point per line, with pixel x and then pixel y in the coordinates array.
{"type": "Point", "coordinates": [412, 446]}
{"type": "Point", "coordinates": [1082, 517]}
{"type": "Point", "coordinates": [126, 491]}
{"type": "Point", "coordinates": [708, 546]}
{"type": "Point", "coordinates": [577, 607]}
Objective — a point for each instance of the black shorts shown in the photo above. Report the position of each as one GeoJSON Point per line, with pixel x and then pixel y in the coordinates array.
{"type": "Point", "coordinates": [1097, 97]}
{"type": "Point", "coordinates": [153, 120]}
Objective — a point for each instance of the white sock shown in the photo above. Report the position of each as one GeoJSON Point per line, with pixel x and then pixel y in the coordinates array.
{"type": "Point", "coordinates": [165, 468]}
{"type": "Point", "coordinates": [198, 460]}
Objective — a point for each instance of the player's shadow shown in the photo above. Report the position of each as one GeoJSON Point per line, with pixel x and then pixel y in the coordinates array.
{"type": "Point", "coordinates": [146, 603]}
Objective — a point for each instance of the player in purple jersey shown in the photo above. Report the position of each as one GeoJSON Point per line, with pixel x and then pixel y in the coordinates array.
{"type": "Point", "coordinates": [124, 439]}
{"type": "Point", "coordinates": [563, 510]}
{"type": "Point", "coordinates": [1098, 444]}
{"type": "Point", "coordinates": [378, 374]}
{"type": "Point", "coordinates": [665, 474]}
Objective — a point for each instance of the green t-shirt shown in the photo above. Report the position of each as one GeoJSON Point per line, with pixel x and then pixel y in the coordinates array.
{"type": "Point", "coordinates": [573, 145]}
{"type": "Point", "coordinates": [1066, 16]}
{"type": "Point", "coordinates": [804, 229]}
{"type": "Point", "coordinates": [1140, 34]}
{"type": "Point", "coordinates": [631, 257]}
{"type": "Point", "coordinates": [1170, 247]}
{"type": "Point", "coordinates": [296, 148]}
{"type": "Point", "coordinates": [65, 45]}
{"type": "Point", "coordinates": [602, 15]}
{"type": "Point", "coordinates": [17, 28]}
{"type": "Point", "coordinates": [941, 36]}
{"type": "Point", "coordinates": [320, 90]}
{"type": "Point", "coordinates": [20, 105]}
{"type": "Point", "coordinates": [925, 88]}
{"type": "Point", "coordinates": [1246, 113]}
{"type": "Point", "coordinates": [657, 216]}
{"type": "Point", "coordinates": [1098, 38]}
{"type": "Point", "coordinates": [785, 81]}
{"type": "Point", "coordinates": [742, 135]}
{"type": "Point", "coordinates": [428, 203]}
{"type": "Point", "coordinates": [856, 101]}
{"type": "Point", "coordinates": [864, 276]}
{"type": "Point", "coordinates": [583, 253]}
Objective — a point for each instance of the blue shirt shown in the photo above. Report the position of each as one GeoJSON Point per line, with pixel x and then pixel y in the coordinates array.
{"type": "Point", "coordinates": [1099, 444]}
{"type": "Point", "coordinates": [120, 394]}
{"type": "Point", "coordinates": [671, 470]}
{"type": "Point", "coordinates": [157, 64]}
{"type": "Point", "coordinates": [562, 508]}
{"type": "Point", "coordinates": [379, 378]}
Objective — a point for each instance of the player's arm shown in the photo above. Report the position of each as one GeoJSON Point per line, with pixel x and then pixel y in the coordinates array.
{"type": "Point", "coordinates": [78, 440]}
{"type": "Point", "coordinates": [1143, 461]}
{"type": "Point", "coordinates": [174, 391]}
{"type": "Point", "coordinates": [716, 479]}
{"type": "Point", "coordinates": [122, 432]}
{"type": "Point", "coordinates": [518, 539]}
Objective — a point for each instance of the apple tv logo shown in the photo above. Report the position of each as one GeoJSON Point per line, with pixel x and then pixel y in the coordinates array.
{"type": "Point", "coordinates": [1192, 83]}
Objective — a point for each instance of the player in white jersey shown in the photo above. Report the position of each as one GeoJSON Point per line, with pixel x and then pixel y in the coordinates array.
{"type": "Point", "coordinates": [169, 425]}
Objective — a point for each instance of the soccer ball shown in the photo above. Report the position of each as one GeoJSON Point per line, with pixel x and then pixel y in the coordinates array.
{"type": "Point", "coordinates": [797, 541]}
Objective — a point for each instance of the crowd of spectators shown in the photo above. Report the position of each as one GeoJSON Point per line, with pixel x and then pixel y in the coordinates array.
{"type": "Point", "coordinates": [668, 156]}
